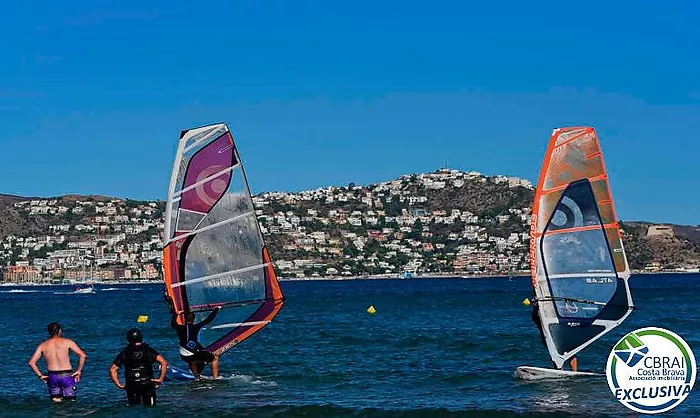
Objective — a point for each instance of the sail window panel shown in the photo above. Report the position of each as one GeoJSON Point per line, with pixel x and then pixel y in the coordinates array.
{"type": "Point", "coordinates": [576, 252]}
{"type": "Point", "coordinates": [568, 257]}
{"type": "Point", "coordinates": [173, 213]}
{"type": "Point", "coordinates": [181, 171]}
{"type": "Point", "coordinates": [232, 246]}
{"type": "Point", "coordinates": [580, 291]}
{"type": "Point", "coordinates": [241, 287]}
{"type": "Point", "coordinates": [576, 209]}
{"type": "Point", "coordinates": [572, 251]}
{"type": "Point", "coordinates": [223, 320]}
{"type": "Point", "coordinates": [234, 202]}
{"type": "Point", "coordinates": [187, 221]}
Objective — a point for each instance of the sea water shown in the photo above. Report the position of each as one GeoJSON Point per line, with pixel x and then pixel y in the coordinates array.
{"type": "Point", "coordinates": [439, 347]}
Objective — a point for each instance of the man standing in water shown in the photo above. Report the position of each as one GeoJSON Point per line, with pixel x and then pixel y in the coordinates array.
{"type": "Point", "coordinates": [138, 359]}
{"type": "Point", "coordinates": [538, 321]}
{"type": "Point", "coordinates": [61, 379]}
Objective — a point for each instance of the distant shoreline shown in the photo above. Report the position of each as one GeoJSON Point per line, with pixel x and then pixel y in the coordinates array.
{"type": "Point", "coordinates": [343, 278]}
{"type": "Point", "coordinates": [100, 282]}
{"type": "Point", "coordinates": [452, 276]}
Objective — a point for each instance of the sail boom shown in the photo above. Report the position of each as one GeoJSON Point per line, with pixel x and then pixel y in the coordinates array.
{"type": "Point", "coordinates": [240, 324]}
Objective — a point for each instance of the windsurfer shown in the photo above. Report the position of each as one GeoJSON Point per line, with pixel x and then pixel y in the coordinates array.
{"type": "Point", "coordinates": [61, 380]}
{"type": "Point", "coordinates": [191, 350]}
{"type": "Point", "coordinates": [138, 359]}
{"type": "Point", "coordinates": [538, 321]}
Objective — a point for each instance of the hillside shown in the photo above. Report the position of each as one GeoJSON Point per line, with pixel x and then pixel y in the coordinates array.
{"type": "Point", "coordinates": [442, 222]}
{"type": "Point", "coordinates": [669, 251]}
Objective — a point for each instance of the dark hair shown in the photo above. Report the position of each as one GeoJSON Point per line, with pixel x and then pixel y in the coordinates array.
{"type": "Point", "coordinates": [189, 317]}
{"type": "Point", "coordinates": [53, 329]}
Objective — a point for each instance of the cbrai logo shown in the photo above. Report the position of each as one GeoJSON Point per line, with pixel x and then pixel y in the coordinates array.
{"type": "Point", "coordinates": [651, 370]}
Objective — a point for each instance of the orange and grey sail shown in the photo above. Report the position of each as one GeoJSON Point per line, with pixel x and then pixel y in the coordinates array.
{"type": "Point", "coordinates": [577, 260]}
{"type": "Point", "coordinates": [214, 253]}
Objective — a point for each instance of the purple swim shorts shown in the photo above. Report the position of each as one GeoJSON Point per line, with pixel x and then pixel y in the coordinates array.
{"type": "Point", "coordinates": [61, 384]}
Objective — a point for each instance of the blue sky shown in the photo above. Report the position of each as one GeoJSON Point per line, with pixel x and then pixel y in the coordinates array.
{"type": "Point", "coordinates": [94, 94]}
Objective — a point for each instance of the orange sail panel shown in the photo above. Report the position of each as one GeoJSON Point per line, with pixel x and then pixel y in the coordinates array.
{"type": "Point", "coordinates": [577, 260]}
{"type": "Point", "coordinates": [214, 253]}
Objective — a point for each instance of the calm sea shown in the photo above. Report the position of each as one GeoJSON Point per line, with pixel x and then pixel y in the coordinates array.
{"type": "Point", "coordinates": [442, 347]}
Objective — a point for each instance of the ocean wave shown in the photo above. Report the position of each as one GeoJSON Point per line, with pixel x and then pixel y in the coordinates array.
{"type": "Point", "coordinates": [247, 379]}
{"type": "Point", "coordinates": [21, 291]}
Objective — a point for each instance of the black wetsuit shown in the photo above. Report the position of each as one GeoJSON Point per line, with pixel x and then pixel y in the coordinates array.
{"type": "Point", "coordinates": [189, 339]}
{"type": "Point", "coordinates": [138, 360]}
{"type": "Point", "coordinates": [537, 320]}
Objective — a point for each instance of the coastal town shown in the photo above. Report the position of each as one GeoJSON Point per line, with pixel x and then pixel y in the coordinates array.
{"type": "Point", "coordinates": [444, 223]}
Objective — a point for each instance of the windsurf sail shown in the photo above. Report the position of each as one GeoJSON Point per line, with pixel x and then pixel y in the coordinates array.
{"type": "Point", "coordinates": [577, 260]}
{"type": "Point", "coordinates": [214, 253]}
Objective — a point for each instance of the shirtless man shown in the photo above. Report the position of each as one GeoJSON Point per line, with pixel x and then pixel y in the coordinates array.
{"type": "Point", "coordinates": [61, 380]}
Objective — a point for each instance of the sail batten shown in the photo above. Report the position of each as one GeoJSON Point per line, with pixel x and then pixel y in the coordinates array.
{"type": "Point", "coordinates": [214, 253]}
{"type": "Point", "coordinates": [219, 275]}
{"type": "Point", "coordinates": [578, 265]}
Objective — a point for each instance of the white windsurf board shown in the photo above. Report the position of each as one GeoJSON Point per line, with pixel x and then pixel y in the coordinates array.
{"type": "Point", "coordinates": [538, 373]}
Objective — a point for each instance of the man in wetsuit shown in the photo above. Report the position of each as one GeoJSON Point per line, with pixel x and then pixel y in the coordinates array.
{"type": "Point", "coordinates": [538, 321]}
{"type": "Point", "coordinates": [61, 380]}
{"type": "Point", "coordinates": [191, 350]}
{"type": "Point", "coordinates": [138, 359]}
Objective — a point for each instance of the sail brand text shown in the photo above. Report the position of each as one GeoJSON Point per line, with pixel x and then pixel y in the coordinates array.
{"type": "Point", "coordinates": [598, 280]}
{"type": "Point", "coordinates": [533, 249]}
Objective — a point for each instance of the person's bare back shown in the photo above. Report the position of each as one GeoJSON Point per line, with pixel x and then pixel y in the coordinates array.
{"type": "Point", "coordinates": [56, 353]}
{"type": "Point", "coordinates": [61, 379]}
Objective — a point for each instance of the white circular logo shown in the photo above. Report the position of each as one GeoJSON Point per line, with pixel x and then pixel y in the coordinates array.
{"type": "Point", "coordinates": [651, 370]}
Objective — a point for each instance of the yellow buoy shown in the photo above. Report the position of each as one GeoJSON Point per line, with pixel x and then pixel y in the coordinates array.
{"type": "Point", "coordinates": [371, 310]}
{"type": "Point", "coordinates": [526, 302]}
{"type": "Point", "coordinates": [142, 318]}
